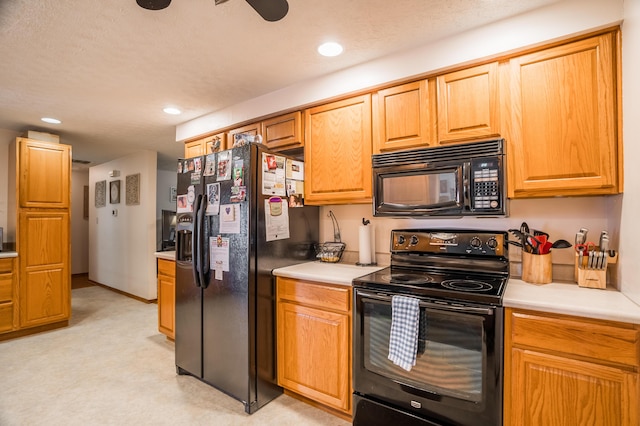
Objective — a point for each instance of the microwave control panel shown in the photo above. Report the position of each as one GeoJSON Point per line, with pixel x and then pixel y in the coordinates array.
{"type": "Point", "coordinates": [486, 184]}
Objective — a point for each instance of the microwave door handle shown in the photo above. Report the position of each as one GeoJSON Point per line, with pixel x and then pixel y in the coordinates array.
{"type": "Point", "coordinates": [466, 179]}
{"type": "Point", "coordinates": [441, 306]}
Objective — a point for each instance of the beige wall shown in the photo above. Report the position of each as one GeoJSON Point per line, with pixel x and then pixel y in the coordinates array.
{"type": "Point", "coordinates": [6, 137]}
{"type": "Point", "coordinates": [629, 268]}
{"type": "Point", "coordinates": [122, 246]}
{"type": "Point", "coordinates": [79, 225]}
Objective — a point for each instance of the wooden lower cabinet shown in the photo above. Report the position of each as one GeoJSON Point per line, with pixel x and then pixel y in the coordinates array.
{"type": "Point", "coordinates": [314, 341]}
{"type": "Point", "coordinates": [166, 297]}
{"type": "Point", "coordinates": [565, 370]}
{"type": "Point", "coordinates": [8, 295]}
{"type": "Point", "coordinates": [45, 279]}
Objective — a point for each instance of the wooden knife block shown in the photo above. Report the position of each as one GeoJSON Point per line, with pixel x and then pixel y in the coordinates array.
{"type": "Point", "coordinates": [592, 278]}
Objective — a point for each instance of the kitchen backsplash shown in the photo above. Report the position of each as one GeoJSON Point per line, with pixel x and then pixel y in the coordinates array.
{"type": "Point", "coordinates": [559, 217]}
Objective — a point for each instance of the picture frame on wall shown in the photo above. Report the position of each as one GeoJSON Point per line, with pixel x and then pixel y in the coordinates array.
{"type": "Point", "coordinates": [114, 192]}
{"type": "Point", "coordinates": [132, 189]}
{"type": "Point", "coordinates": [101, 194]}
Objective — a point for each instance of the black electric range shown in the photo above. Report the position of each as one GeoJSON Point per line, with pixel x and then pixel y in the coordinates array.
{"type": "Point", "coordinates": [465, 265]}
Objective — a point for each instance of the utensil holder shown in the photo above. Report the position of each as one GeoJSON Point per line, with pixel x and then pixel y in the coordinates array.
{"type": "Point", "coordinates": [536, 268]}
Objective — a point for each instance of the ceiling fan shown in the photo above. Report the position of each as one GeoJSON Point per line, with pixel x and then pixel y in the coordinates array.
{"type": "Point", "coordinates": [270, 10]}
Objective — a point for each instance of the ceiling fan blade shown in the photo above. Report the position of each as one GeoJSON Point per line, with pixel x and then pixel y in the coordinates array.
{"type": "Point", "coordinates": [153, 4]}
{"type": "Point", "coordinates": [270, 10]}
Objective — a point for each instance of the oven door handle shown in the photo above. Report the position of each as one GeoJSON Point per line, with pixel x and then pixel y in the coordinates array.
{"type": "Point", "coordinates": [442, 306]}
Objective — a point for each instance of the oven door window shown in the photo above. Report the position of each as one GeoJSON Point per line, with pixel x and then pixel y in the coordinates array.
{"type": "Point", "coordinates": [418, 190]}
{"type": "Point", "coordinates": [451, 351]}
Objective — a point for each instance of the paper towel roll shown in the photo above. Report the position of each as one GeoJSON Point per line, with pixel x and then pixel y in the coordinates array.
{"type": "Point", "coordinates": [372, 235]}
{"type": "Point", "coordinates": [364, 239]}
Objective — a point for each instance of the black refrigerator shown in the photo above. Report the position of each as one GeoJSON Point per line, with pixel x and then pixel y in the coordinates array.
{"type": "Point", "coordinates": [239, 216]}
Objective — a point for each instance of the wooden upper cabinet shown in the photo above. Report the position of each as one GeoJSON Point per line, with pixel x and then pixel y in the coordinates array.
{"type": "Point", "coordinates": [44, 174]}
{"type": "Point", "coordinates": [234, 135]}
{"type": "Point", "coordinates": [468, 104]}
{"type": "Point", "coordinates": [208, 145]}
{"type": "Point", "coordinates": [562, 138]}
{"type": "Point", "coordinates": [283, 132]}
{"type": "Point", "coordinates": [337, 152]}
{"type": "Point", "coordinates": [405, 116]}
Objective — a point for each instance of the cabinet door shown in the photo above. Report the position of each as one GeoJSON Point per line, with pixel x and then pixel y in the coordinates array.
{"type": "Point", "coordinates": [236, 135]}
{"type": "Point", "coordinates": [558, 391]}
{"type": "Point", "coordinates": [563, 138]}
{"type": "Point", "coordinates": [44, 174]}
{"type": "Point", "coordinates": [284, 131]}
{"type": "Point", "coordinates": [166, 297]}
{"type": "Point", "coordinates": [7, 295]}
{"type": "Point", "coordinates": [313, 354]}
{"type": "Point", "coordinates": [338, 152]}
{"type": "Point", "coordinates": [193, 149]}
{"type": "Point", "coordinates": [44, 267]}
{"type": "Point", "coordinates": [404, 117]}
{"type": "Point", "coordinates": [215, 143]}
{"type": "Point", "coordinates": [166, 305]}
{"type": "Point", "coordinates": [468, 104]}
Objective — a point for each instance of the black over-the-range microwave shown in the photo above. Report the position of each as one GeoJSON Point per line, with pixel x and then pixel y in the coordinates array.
{"type": "Point", "coordinates": [445, 181]}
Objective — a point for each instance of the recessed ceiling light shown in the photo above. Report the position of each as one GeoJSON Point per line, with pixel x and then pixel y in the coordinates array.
{"type": "Point", "coordinates": [51, 120]}
{"type": "Point", "coordinates": [172, 111]}
{"type": "Point", "coordinates": [330, 49]}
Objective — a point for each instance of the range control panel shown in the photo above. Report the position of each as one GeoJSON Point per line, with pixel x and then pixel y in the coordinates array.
{"type": "Point", "coordinates": [462, 242]}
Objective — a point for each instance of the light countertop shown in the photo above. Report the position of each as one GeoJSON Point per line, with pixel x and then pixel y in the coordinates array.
{"type": "Point", "coordinates": [571, 299]}
{"type": "Point", "coordinates": [333, 273]}
{"type": "Point", "coordinates": [4, 254]}
{"type": "Point", "coordinates": [168, 255]}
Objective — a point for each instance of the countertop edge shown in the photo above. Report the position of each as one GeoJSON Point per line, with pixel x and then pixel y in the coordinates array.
{"type": "Point", "coordinates": [167, 255]}
{"type": "Point", "coordinates": [571, 299]}
{"type": "Point", "coordinates": [328, 273]}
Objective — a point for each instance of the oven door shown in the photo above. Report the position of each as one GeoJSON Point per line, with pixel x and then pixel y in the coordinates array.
{"type": "Point", "coordinates": [458, 373]}
{"type": "Point", "coordinates": [418, 190]}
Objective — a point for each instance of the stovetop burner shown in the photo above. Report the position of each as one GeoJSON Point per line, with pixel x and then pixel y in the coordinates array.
{"type": "Point", "coordinates": [408, 278]}
{"type": "Point", "coordinates": [466, 285]}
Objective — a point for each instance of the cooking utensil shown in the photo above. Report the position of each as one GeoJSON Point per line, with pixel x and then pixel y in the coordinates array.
{"type": "Point", "coordinates": [514, 243]}
{"type": "Point", "coordinates": [561, 244]}
{"type": "Point", "coordinates": [524, 228]}
{"type": "Point", "coordinates": [546, 248]}
{"type": "Point", "coordinates": [537, 233]}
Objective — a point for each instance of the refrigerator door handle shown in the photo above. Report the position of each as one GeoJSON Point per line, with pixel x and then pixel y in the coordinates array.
{"type": "Point", "coordinates": [203, 259]}
{"type": "Point", "coordinates": [195, 242]}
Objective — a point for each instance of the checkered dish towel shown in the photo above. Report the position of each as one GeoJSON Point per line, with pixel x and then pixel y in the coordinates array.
{"type": "Point", "coordinates": [403, 339]}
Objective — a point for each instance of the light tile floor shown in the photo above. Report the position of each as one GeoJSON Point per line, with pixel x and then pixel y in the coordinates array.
{"type": "Point", "coordinates": [112, 367]}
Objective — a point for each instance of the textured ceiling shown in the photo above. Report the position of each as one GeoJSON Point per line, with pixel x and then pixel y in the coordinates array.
{"type": "Point", "coordinates": [107, 68]}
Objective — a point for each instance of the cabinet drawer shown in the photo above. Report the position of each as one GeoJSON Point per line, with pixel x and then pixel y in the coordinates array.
{"type": "Point", "coordinates": [315, 294]}
{"type": "Point", "coordinates": [6, 265]}
{"type": "Point", "coordinates": [607, 341]}
{"type": "Point", "coordinates": [167, 267]}
{"type": "Point", "coordinates": [6, 317]}
{"type": "Point", "coordinates": [6, 288]}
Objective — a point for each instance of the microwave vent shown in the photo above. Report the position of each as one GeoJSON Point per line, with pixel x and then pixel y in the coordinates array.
{"type": "Point", "coordinates": [441, 153]}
